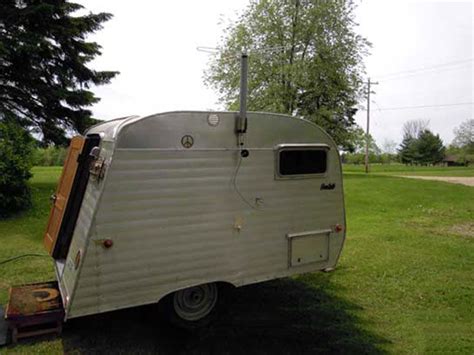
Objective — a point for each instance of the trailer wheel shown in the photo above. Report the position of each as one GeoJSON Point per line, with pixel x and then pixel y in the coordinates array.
{"type": "Point", "coordinates": [193, 307]}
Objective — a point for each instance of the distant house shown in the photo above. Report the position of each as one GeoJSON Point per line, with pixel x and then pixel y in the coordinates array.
{"type": "Point", "coordinates": [455, 160]}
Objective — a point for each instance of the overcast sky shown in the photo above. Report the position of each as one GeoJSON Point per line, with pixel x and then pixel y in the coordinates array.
{"type": "Point", "coordinates": [422, 55]}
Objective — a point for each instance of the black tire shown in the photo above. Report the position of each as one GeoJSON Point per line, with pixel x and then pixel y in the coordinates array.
{"type": "Point", "coordinates": [193, 307]}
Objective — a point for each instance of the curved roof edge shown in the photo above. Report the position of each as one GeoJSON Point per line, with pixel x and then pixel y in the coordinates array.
{"type": "Point", "coordinates": [116, 125]}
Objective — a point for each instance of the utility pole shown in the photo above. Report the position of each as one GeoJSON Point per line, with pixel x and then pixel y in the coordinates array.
{"type": "Point", "coordinates": [369, 83]}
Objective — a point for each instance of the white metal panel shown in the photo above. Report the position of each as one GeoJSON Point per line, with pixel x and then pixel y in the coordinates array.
{"type": "Point", "coordinates": [308, 247]}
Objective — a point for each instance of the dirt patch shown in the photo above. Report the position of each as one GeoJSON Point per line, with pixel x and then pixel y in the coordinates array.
{"type": "Point", "coordinates": [469, 181]}
{"type": "Point", "coordinates": [465, 229]}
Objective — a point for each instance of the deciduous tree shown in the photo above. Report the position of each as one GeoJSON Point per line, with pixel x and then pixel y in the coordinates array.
{"type": "Point", "coordinates": [357, 140]}
{"type": "Point", "coordinates": [413, 128]}
{"type": "Point", "coordinates": [314, 70]}
{"type": "Point", "coordinates": [464, 136]}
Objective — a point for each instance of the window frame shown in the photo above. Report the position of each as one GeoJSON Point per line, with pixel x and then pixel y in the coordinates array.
{"type": "Point", "coordinates": [299, 146]}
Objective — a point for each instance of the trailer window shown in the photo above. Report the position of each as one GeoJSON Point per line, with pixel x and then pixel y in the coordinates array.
{"type": "Point", "coordinates": [302, 162]}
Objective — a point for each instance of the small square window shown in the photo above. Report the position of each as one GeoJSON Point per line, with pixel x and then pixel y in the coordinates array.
{"type": "Point", "coordinates": [302, 161]}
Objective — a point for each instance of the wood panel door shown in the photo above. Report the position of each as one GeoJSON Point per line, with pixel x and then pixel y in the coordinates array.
{"type": "Point", "coordinates": [62, 193]}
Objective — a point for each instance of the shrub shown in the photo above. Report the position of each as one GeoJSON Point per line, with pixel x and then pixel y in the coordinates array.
{"type": "Point", "coordinates": [16, 146]}
{"type": "Point", "coordinates": [359, 158]}
{"type": "Point", "coordinates": [50, 156]}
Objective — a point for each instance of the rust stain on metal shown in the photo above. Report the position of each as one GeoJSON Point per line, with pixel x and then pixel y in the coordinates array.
{"type": "Point", "coordinates": [34, 299]}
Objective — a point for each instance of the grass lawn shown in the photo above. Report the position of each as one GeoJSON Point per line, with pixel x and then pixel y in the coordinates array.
{"type": "Point", "coordinates": [400, 169]}
{"type": "Point", "coordinates": [24, 234]}
{"type": "Point", "coordinates": [404, 283]}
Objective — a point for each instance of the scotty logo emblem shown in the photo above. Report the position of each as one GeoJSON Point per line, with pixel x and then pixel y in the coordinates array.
{"type": "Point", "coordinates": [187, 141]}
{"type": "Point", "coordinates": [330, 186]}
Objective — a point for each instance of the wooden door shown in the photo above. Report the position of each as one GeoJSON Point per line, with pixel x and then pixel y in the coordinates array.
{"type": "Point", "coordinates": [62, 193]}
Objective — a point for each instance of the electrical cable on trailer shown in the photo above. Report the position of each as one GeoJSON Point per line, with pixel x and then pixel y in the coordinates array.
{"type": "Point", "coordinates": [22, 256]}
{"type": "Point", "coordinates": [242, 116]}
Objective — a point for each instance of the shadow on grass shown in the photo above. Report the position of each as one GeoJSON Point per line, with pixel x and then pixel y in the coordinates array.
{"type": "Point", "coordinates": [276, 317]}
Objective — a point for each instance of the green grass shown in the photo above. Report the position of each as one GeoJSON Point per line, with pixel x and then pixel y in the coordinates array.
{"type": "Point", "coordinates": [404, 283]}
{"type": "Point", "coordinates": [400, 169]}
{"type": "Point", "coordinates": [408, 261]}
{"type": "Point", "coordinates": [23, 234]}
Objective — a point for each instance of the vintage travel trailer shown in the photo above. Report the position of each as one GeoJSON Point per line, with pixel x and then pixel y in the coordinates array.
{"type": "Point", "coordinates": [176, 204]}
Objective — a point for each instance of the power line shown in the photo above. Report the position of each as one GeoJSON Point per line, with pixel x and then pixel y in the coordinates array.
{"type": "Point", "coordinates": [425, 106]}
{"type": "Point", "coordinates": [457, 62]}
{"type": "Point", "coordinates": [431, 71]}
{"type": "Point", "coordinates": [410, 72]}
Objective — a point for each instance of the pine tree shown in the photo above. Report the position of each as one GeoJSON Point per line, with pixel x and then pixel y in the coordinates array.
{"type": "Point", "coordinates": [429, 147]}
{"type": "Point", "coordinates": [407, 150]}
{"type": "Point", "coordinates": [424, 149]}
{"type": "Point", "coordinates": [44, 78]}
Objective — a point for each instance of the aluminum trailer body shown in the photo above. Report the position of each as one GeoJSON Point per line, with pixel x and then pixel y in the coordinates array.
{"type": "Point", "coordinates": [174, 200]}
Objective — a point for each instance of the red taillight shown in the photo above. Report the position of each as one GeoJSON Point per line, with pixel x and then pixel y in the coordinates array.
{"type": "Point", "coordinates": [108, 243]}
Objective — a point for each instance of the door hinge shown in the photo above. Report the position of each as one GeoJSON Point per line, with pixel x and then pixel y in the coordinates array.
{"type": "Point", "coordinates": [97, 168]}
{"type": "Point", "coordinates": [97, 165]}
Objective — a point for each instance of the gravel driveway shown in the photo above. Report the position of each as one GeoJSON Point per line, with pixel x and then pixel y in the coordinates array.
{"type": "Point", "coordinates": [469, 181]}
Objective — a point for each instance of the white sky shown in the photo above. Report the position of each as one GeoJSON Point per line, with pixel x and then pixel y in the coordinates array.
{"type": "Point", "coordinates": [153, 45]}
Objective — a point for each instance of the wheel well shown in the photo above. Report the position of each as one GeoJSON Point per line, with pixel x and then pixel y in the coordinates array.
{"type": "Point", "coordinates": [222, 285]}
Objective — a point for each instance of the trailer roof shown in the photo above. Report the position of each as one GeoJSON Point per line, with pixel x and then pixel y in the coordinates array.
{"type": "Point", "coordinates": [267, 128]}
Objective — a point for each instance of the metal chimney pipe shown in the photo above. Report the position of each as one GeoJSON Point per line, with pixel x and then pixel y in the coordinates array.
{"type": "Point", "coordinates": [242, 121]}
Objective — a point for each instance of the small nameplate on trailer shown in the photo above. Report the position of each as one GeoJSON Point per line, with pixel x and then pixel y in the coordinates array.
{"type": "Point", "coordinates": [330, 186]}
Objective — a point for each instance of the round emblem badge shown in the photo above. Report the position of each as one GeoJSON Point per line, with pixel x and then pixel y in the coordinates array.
{"type": "Point", "coordinates": [187, 141]}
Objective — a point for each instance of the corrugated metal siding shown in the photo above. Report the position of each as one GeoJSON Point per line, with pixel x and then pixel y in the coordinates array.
{"type": "Point", "coordinates": [172, 214]}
